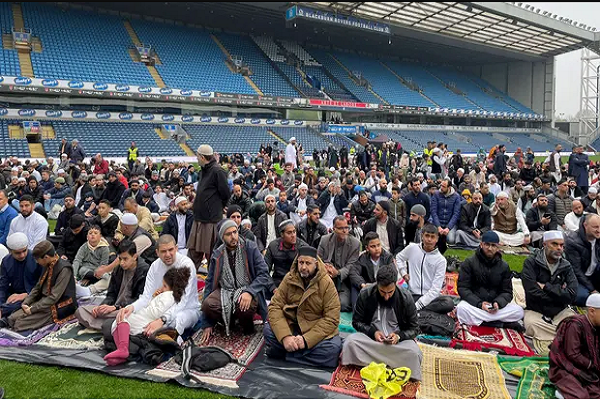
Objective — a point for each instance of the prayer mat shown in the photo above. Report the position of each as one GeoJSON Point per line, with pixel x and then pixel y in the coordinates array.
{"type": "Point", "coordinates": [74, 336]}
{"type": "Point", "coordinates": [518, 293]}
{"type": "Point", "coordinates": [244, 348]}
{"type": "Point", "coordinates": [346, 323]}
{"type": "Point", "coordinates": [486, 338]}
{"type": "Point", "coordinates": [442, 341]}
{"type": "Point", "coordinates": [346, 379]}
{"type": "Point", "coordinates": [459, 374]}
{"type": "Point", "coordinates": [541, 347]}
{"type": "Point", "coordinates": [533, 371]}
{"type": "Point", "coordinates": [450, 287]}
{"type": "Point", "coordinates": [9, 338]}
{"type": "Point", "coordinates": [519, 251]}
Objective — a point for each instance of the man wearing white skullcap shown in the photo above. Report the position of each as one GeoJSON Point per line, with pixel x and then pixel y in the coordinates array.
{"type": "Point", "coordinates": [19, 273]}
{"type": "Point", "coordinates": [589, 199]}
{"type": "Point", "coordinates": [550, 287]}
{"type": "Point", "coordinates": [574, 356]}
{"type": "Point", "coordinates": [299, 204]}
{"type": "Point", "coordinates": [508, 222]}
{"type": "Point", "coordinates": [179, 224]}
{"type": "Point", "coordinates": [290, 153]}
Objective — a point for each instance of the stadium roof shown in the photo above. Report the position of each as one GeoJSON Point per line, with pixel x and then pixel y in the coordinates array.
{"type": "Point", "coordinates": [497, 24]}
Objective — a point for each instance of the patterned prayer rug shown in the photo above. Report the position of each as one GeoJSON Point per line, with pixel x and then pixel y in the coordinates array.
{"type": "Point", "coordinates": [9, 338]}
{"type": "Point", "coordinates": [346, 379]}
{"type": "Point", "coordinates": [458, 374]}
{"type": "Point", "coordinates": [74, 336]}
{"type": "Point", "coordinates": [533, 371]}
{"type": "Point", "coordinates": [244, 348]}
{"type": "Point", "coordinates": [346, 323]}
{"type": "Point", "coordinates": [485, 338]}
{"type": "Point", "coordinates": [450, 287]}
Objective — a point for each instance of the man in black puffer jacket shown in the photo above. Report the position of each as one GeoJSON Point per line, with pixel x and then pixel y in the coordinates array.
{"type": "Point", "coordinates": [578, 251]}
{"type": "Point", "coordinates": [485, 287]}
{"type": "Point", "coordinates": [362, 209]}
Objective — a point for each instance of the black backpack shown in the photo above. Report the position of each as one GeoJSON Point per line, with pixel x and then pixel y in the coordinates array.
{"type": "Point", "coordinates": [203, 359]}
{"type": "Point", "coordinates": [434, 324]}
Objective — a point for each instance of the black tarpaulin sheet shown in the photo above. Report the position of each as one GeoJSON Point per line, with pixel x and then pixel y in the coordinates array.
{"type": "Point", "coordinates": [265, 378]}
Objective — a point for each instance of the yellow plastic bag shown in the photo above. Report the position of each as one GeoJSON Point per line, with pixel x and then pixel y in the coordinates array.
{"type": "Point", "coordinates": [382, 382]}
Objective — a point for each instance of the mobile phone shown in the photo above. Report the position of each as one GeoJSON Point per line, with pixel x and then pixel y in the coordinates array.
{"type": "Point", "coordinates": [490, 307]}
{"type": "Point", "coordinates": [547, 215]}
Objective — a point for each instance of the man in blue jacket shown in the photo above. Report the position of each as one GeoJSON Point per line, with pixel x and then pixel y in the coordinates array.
{"type": "Point", "coordinates": [445, 213]}
{"type": "Point", "coordinates": [7, 214]}
{"type": "Point", "coordinates": [19, 273]}
{"type": "Point", "coordinates": [237, 279]}
{"type": "Point", "coordinates": [578, 167]}
{"type": "Point", "coordinates": [416, 196]}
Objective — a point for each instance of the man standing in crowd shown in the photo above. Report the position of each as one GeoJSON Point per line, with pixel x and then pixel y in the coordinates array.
{"type": "Point", "coordinates": [555, 162]}
{"type": "Point", "coordinates": [211, 199]}
{"type": "Point", "coordinates": [304, 315]}
{"type": "Point", "coordinates": [290, 153]}
{"type": "Point", "coordinates": [485, 287]}
{"type": "Point", "coordinates": [340, 253]}
{"type": "Point", "coordinates": [578, 168]}
{"type": "Point", "coordinates": [132, 155]}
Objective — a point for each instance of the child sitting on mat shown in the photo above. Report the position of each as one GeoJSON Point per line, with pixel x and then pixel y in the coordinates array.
{"type": "Point", "coordinates": [174, 282]}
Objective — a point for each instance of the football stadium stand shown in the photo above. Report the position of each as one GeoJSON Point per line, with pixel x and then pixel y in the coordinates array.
{"type": "Point", "coordinates": [12, 147]}
{"type": "Point", "coordinates": [9, 61]}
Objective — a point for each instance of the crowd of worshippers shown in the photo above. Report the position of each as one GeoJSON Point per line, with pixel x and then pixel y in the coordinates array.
{"type": "Point", "coordinates": [299, 248]}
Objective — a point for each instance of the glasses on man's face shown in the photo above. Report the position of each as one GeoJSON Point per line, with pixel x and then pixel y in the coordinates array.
{"type": "Point", "coordinates": [344, 228]}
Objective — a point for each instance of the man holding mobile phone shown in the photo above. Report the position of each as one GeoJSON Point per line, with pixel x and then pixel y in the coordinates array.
{"type": "Point", "coordinates": [485, 288]}
{"type": "Point", "coordinates": [540, 219]}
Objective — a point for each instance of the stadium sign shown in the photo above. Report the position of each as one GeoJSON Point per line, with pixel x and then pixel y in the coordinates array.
{"type": "Point", "coordinates": [144, 89]}
{"type": "Point", "coordinates": [168, 117]}
{"type": "Point", "coordinates": [26, 112]}
{"type": "Point", "coordinates": [185, 92]}
{"type": "Point", "coordinates": [49, 83]}
{"type": "Point", "coordinates": [206, 94]}
{"type": "Point", "coordinates": [78, 114]}
{"type": "Point", "coordinates": [255, 121]}
{"type": "Point", "coordinates": [166, 91]}
{"type": "Point", "coordinates": [3, 111]}
{"type": "Point", "coordinates": [100, 86]}
{"type": "Point", "coordinates": [335, 18]}
{"type": "Point", "coordinates": [187, 118]}
{"type": "Point", "coordinates": [75, 84]}
{"type": "Point", "coordinates": [147, 117]}
{"type": "Point", "coordinates": [125, 116]}
{"type": "Point", "coordinates": [270, 122]}
{"type": "Point", "coordinates": [23, 80]}
{"type": "Point", "coordinates": [342, 129]}
{"type": "Point", "coordinates": [122, 88]}
{"type": "Point", "coordinates": [298, 123]}
{"type": "Point", "coordinates": [54, 113]}
{"type": "Point", "coordinates": [205, 119]}
{"type": "Point", "coordinates": [103, 115]}
{"type": "Point", "coordinates": [223, 120]}
{"type": "Point", "coordinates": [240, 120]}
{"type": "Point", "coordinates": [285, 122]}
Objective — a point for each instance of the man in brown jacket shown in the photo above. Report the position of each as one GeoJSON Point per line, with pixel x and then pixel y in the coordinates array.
{"type": "Point", "coordinates": [304, 315]}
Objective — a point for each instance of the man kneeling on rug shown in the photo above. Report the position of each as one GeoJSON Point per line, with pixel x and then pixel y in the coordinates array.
{"type": "Point", "coordinates": [304, 315]}
{"type": "Point", "coordinates": [237, 280]}
{"type": "Point", "coordinates": [53, 297]}
{"type": "Point", "coordinates": [485, 288]}
{"type": "Point", "coordinates": [385, 318]}
{"type": "Point", "coordinates": [126, 286]}
{"type": "Point", "coordinates": [19, 273]}
{"type": "Point", "coordinates": [575, 354]}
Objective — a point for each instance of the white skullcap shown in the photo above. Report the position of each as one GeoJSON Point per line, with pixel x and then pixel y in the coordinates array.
{"type": "Point", "coordinates": [270, 195]}
{"type": "Point", "coordinates": [502, 195]}
{"type": "Point", "coordinates": [593, 190]}
{"type": "Point", "coordinates": [332, 169]}
{"type": "Point", "coordinates": [179, 200]}
{"type": "Point", "coordinates": [490, 176]}
{"type": "Point", "coordinates": [553, 235]}
{"type": "Point", "coordinates": [129, 219]}
{"type": "Point", "coordinates": [593, 300]}
{"type": "Point", "coordinates": [528, 188]}
{"type": "Point", "coordinates": [460, 170]}
{"type": "Point", "coordinates": [293, 139]}
{"type": "Point", "coordinates": [205, 150]}
{"type": "Point", "coordinates": [63, 155]}
{"type": "Point", "coordinates": [14, 169]}
{"type": "Point", "coordinates": [21, 179]}
{"type": "Point", "coordinates": [60, 171]}
{"type": "Point", "coordinates": [303, 186]}
{"type": "Point", "coordinates": [17, 241]}
{"type": "Point", "coordinates": [246, 222]}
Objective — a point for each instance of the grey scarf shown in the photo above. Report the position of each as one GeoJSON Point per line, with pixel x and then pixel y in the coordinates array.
{"type": "Point", "coordinates": [232, 288]}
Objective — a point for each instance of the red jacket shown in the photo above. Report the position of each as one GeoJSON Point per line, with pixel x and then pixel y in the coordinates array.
{"type": "Point", "coordinates": [101, 168]}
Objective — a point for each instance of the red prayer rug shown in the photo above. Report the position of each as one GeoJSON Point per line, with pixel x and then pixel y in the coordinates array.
{"type": "Point", "coordinates": [477, 338]}
{"type": "Point", "coordinates": [450, 287]}
{"type": "Point", "coordinates": [244, 348]}
{"type": "Point", "coordinates": [346, 379]}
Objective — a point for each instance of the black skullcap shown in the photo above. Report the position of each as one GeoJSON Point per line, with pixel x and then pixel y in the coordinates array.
{"type": "Point", "coordinates": [76, 221]}
{"type": "Point", "coordinates": [307, 251]}
{"type": "Point", "coordinates": [234, 208]}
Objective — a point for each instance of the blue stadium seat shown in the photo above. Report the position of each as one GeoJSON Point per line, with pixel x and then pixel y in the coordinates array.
{"type": "Point", "coordinates": [9, 61]}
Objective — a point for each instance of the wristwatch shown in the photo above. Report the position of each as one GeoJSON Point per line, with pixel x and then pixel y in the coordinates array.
{"type": "Point", "coordinates": [164, 320]}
